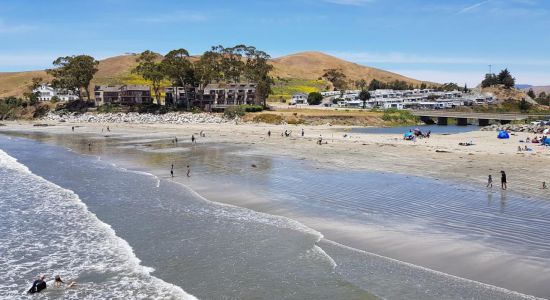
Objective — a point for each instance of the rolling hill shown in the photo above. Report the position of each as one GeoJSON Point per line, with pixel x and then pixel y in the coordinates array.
{"type": "Point", "coordinates": [301, 73]}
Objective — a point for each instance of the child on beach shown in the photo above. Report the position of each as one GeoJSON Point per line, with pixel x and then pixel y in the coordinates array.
{"type": "Point", "coordinates": [490, 181]}
{"type": "Point", "coordinates": [503, 180]}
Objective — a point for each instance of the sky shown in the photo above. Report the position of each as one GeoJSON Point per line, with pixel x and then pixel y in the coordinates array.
{"type": "Point", "coordinates": [434, 40]}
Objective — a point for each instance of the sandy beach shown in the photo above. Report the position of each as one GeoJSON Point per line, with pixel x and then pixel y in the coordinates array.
{"type": "Point", "coordinates": [430, 225]}
{"type": "Point", "coordinates": [438, 157]}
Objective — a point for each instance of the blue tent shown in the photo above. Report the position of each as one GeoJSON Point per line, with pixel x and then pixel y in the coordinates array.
{"type": "Point", "coordinates": [408, 135]}
{"type": "Point", "coordinates": [503, 135]}
{"type": "Point", "coordinates": [546, 141]}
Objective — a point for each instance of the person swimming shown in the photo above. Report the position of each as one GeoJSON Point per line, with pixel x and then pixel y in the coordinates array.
{"type": "Point", "coordinates": [38, 285]}
{"type": "Point", "coordinates": [57, 282]}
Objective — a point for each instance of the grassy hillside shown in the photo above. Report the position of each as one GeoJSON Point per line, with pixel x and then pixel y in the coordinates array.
{"type": "Point", "coordinates": [297, 73]}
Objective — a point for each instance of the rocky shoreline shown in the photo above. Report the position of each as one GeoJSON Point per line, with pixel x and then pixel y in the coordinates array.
{"type": "Point", "coordinates": [517, 128]}
{"type": "Point", "coordinates": [137, 118]}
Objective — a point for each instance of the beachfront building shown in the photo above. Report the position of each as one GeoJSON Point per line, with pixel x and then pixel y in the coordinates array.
{"type": "Point", "coordinates": [222, 95]}
{"type": "Point", "coordinates": [299, 99]}
{"type": "Point", "coordinates": [122, 94]}
{"type": "Point", "coordinates": [46, 92]}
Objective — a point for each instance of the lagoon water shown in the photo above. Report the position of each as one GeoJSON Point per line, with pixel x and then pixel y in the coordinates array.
{"type": "Point", "coordinates": [435, 129]}
{"type": "Point", "coordinates": [303, 232]}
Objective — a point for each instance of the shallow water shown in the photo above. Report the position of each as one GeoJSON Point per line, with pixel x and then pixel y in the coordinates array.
{"type": "Point", "coordinates": [210, 250]}
{"type": "Point", "coordinates": [496, 238]}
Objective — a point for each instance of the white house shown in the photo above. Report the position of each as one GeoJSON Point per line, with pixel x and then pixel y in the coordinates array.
{"type": "Point", "coordinates": [47, 92]}
{"type": "Point", "coordinates": [299, 99]}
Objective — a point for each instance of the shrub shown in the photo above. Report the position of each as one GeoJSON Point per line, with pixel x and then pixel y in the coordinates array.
{"type": "Point", "coordinates": [233, 112]}
{"type": "Point", "coordinates": [268, 118]}
{"type": "Point", "coordinates": [252, 108]}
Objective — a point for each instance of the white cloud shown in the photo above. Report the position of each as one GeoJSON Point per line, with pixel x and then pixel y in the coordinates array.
{"type": "Point", "coordinates": [349, 2]}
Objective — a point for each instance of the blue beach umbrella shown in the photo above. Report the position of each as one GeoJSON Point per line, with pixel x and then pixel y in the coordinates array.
{"type": "Point", "coordinates": [503, 135]}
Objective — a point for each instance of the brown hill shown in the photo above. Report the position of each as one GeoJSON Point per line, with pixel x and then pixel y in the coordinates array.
{"type": "Point", "coordinates": [304, 67]}
{"type": "Point", "coordinates": [312, 65]}
{"type": "Point", "coordinates": [539, 89]}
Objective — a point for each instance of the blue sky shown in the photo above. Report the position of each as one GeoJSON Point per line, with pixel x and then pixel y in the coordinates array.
{"type": "Point", "coordinates": [433, 40]}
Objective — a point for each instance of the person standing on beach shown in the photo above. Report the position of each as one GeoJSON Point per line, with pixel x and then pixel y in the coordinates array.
{"type": "Point", "coordinates": [544, 185]}
{"type": "Point", "coordinates": [269, 133]}
{"type": "Point", "coordinates": [192, 139]}
{"type": "Point", "coordinates": [72, 128]}
{"type": "Point", "coordinates": [172, 171]}
{"type": "Point", "coordinates": [188, 171]}
{"type": "Point", "coordinates": [490, 181]}
{"type": "Point", "coordinates": [302, 132]}
{"type": "Point", "coordinates": [503, 180]}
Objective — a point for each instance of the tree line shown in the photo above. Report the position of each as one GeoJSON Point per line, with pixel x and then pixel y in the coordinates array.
{"type": "Point", "coordinates": [217, 65]}
{"type": "Point", "coordinates": [504, 78]}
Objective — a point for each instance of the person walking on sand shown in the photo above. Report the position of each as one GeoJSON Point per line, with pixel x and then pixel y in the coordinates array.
{"type": "Point", "coordinates": [544, 185]}
{"type": "Point", "coordinates": [269, 133]}
{"type": "Point", "coordinates": [503, 180]}
{"type": "Point", "coordinates": [188, 171]}
{"type": "Point", "coordinates": [490, 181]}
{"type": "Point", "coordinates": [38, 285]}
{"type": "Point", "coordinates": [172, 171]}
{"type": "Point", "coordinates": [302, 132]}
{"type": "Point", "coordinates": [192, 139]}
{"type": "Point", "coordinates": [72, 128]}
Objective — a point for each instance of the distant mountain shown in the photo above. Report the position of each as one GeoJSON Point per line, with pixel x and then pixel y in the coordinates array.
{"type": "Point", "coordinates": [303, 69]}
{"type": "Point", "coordinates": [539, 89]}
{"type": "Point", "coordinates": [523, 86]}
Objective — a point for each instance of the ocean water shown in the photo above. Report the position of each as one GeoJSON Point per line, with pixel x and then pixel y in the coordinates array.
{"type": "Point", "coordinates": [47, 229]}
{"type": "Point", "coordinates": [183, 242]}
{"type": "Point", "coordinates": [334, 240]}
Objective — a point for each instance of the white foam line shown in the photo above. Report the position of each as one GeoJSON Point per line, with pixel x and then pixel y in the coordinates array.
{"type": "Point", "coordinates": [9, 162]}
{"type": "Point", "coordinates": [413, 266]}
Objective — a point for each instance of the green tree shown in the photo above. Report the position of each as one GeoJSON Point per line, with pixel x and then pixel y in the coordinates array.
{"type": "Point", "coordinates": [376, 85]}
{"type": "Point", "coordinates": [423, 86]}
{"type": "Point", "coordinates": [361, 84]}
{"type": "Point", "coordinates": [178, 68]}
{"type": "Point", "coordinates": [490, 80]}
{"type": "Point", "coordinates": [364, 96]}
{"type": "Point", "coordinates": [524, 105]}
{"type": "Point", "coordinates": [466, 90]}
{"type": "Point", "coordinates": [506, 79]}
{"type": "Point", "coordinates": [314, 98]}
{"type": "Point", "coordinates": [74, 73]}
{"type": "Point", "coordinates": [208, 68]}
{"type": "Point", "coordinates": [531, 94]}
{"type": "Point", "coordinates": [151, 69]}
{"type": "Point", "coordinates": [336, 77]}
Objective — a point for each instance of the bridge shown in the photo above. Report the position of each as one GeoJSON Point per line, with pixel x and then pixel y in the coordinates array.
{"type": "Point", "coordinates": [462, 117]}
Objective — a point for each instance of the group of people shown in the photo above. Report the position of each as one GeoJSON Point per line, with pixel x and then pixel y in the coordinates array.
{"type": "Point", "coordinates": [40, 284]}
{"type": "Point", "coordinates": [502, 180]}
{"type": "Point", "coordinates": [172, 171]}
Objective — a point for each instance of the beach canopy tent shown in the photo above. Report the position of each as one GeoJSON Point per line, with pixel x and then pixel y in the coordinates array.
{"type": "Point", "coordinates": [408, 135]}
{"type": "Point", "coordinates": [503, 135]}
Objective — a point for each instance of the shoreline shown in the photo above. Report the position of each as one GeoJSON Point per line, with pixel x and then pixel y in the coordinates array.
{"type": "Point", "coordinates": [231, 136]}
{"type": "Point", "coordinates": [439, 157]}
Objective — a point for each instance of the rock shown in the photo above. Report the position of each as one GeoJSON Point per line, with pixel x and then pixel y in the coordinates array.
{"type": "Point", "coordinates": [136, 118]}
